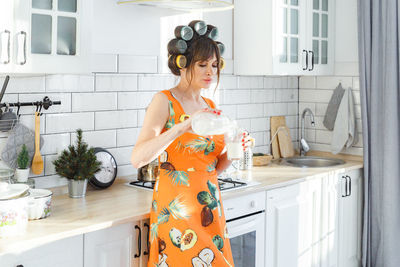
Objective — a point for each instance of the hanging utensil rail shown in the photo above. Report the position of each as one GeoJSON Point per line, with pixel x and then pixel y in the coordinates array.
{"type": "Point", "coordinates": [45, 103]}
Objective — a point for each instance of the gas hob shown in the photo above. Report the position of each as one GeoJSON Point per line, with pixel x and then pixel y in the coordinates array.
{"type": "Point", "coordinates": [225, 184]}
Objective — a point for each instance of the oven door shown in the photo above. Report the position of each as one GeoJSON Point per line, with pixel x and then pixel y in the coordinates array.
{"type": "Point", "coordinates": [247, 240]}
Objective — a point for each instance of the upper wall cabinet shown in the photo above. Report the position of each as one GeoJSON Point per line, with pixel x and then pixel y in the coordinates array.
{"type": "Point", "coordinates": [284, 37]}
{"type": "Point", "coordinates": [43, 36]}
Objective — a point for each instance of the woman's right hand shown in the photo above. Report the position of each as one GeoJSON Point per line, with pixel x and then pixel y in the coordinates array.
{"type": "Point", "coordinates": [186, 125]}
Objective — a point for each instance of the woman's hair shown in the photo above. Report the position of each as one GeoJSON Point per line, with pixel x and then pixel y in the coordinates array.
{"type": "Point", "coordinates": [200, 48]}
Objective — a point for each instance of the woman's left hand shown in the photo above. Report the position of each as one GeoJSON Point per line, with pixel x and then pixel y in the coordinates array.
{"type": "Point", "coordinates": [247, 141]}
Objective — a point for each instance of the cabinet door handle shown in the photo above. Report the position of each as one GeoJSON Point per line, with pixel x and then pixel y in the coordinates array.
{"type": "Point", "coordinates": [20, 265]}
{"type": "Point", "coordinates": [345, 195]}
{"type": "Point", "coordinates": [21, 56]}
{"type": "Point", "coordinates": [306, 67]}
{"type": "Point", "coordinates": [146, 252]}
{"type": "Point", "coordinates": [312, 60]}
{"type": "Point", "coordinates": [139, 242]}
{"type": "Point", "coordinates": [349, 185]}
{"type": "Point", "coordinates": [5, 44]}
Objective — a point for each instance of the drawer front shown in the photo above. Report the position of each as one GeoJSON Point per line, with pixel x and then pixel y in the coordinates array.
{"type": "Point", "coordinates": [243, 205]}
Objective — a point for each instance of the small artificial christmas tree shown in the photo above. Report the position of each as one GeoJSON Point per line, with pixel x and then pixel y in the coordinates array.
{"type": "Point", "coordinates": [23, 158]}
{"type": "Point", "coordinates": [77, 162]}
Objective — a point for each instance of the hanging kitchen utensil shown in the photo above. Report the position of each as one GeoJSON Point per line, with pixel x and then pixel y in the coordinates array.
{"type": "Point", "coordinates": [8, 119]}
{"type": "Point", "coordinates": [108, 169]}
{"type": "Point", "coordinates": [37, 162]}
{"type": "Point", "coordinates": [3, 89]}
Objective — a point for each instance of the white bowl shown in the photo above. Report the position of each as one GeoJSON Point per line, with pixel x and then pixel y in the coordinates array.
{"type": "Point", "coordinates": [39, 205]}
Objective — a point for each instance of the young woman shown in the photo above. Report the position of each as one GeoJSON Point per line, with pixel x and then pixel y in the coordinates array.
{"type": "Point", "coordinates": [187, 220]}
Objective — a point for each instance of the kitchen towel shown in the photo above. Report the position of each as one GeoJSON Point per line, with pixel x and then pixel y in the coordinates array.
{"type": "Point", "coordinates": [333, 106]}
{"type": "Point", "coordinates": [18, 136]}
{"type": "Point", "coordinates": [345, 129]}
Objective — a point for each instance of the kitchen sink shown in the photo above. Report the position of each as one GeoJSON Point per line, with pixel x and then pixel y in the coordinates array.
{"type": "Point", "coordinates": [311, 162]}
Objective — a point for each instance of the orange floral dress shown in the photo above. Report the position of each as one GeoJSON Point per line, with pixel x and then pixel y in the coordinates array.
{"type": "Point", "coordinates": [187, 221]}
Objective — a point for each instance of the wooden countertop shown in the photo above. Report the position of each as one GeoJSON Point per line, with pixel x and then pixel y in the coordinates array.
{"type": "Point", "coordinates": [121, 204]}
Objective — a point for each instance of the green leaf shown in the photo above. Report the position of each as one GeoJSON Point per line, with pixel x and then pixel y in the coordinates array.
{"type": "Point", "coordinates": [204, 198]}
{"type": "Point", "coordinates": [178, 208]}
{"type": "Point", "coordinates": [179, 177]}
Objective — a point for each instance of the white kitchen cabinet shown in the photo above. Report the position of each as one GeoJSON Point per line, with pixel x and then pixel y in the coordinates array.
{"type": "Point", "coordinates": [285, 37]}
{"type": "Point", "coordinates": [111, 247]}
{"type": "Point", "coordinates": [122, 245]}
{"type": "Point", "coordinates": [329, 220]}
{"type": "Point", "coordinates": [350, 218]}
{"type": "Point", "coordinates": [316, 222]}
{"type": "Point", "coordinates": [63, 253]}
{"type": "Point", "coordinates": [292, 225]}
{"type": "Point", "coordinates": [46, 36]}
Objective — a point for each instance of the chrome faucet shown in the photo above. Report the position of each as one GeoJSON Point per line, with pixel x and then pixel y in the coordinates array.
{"type": "Point", "coordinates": [303, 146]}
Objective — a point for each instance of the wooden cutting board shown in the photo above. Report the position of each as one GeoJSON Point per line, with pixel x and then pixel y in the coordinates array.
{"type": "Point", "coordinates": [276, 122]}
{"type": "Point", "coordinates": [285, 142]}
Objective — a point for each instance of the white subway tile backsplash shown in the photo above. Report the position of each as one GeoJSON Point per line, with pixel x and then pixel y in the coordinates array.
{"type": "Point", "coordinates": [293, 82]}
{"type": "Point", "coordinates": [245, 124]}
{"type": "Point", "coordinates": [249, 111]}
{"type": "Point", "coordinates": [260, 124]}
{"type": "Point", "coordinates": [93, 101]}
{"type": "Point", "coordinates": [229, 110]}
{"type": "Point", "coordinates": [228, 82]}
{"type": "Point", "coordinates": [122, 154]}
{"type": "Point", "coordinates": [262, 96]}
{"type": "Point", "coordinates": [331, 82]}
{"type": "Point", "coordinates": [237, 97]}
{"type": "Point", "coordinates": [55, 143]}
{"type": "Point", "coordinates": [116, 82]}
{"type": "Point", "coordinates": [322, 136]}
{"type": "Point", "coordinates": [29, 121]}
{"type": "Point", "coordinates": [307, 82]}
{"type": "Point", "coordinates": [25, 85]}
{"type": "Point", "coordinates": [321, 109]}
{"type": "Point", "coordinates": [253, 82]}
{"type": "Point", "coordinates": [127, 137]}
{"type": "Point", "coordinates": [134, 100]}
{"type": "Point", "coordinates": [322, 96]}
{"type": "Point", "coordinates": [276, 109]}
{"type": "Point", "coordinates": [104, 139]}
{"type": "Point", "coordinates": [126, 170]}
{"type": "Point", "coordinates": [10, 98]}
{"type": "Point", "coordinates": [48, 164]}
{"type": "Point", "coordinates": [69, 83]}
{"type": "Point", "coordinates": [259, 138]}
{"type": "Point", "coordinates": [286, 95]}
{"type": "Point", "coordinates": [69, 122]}
{"type": "Point", "coordinates": [154, 82]}
{"type": "Point", "coordinates": [115, 119]}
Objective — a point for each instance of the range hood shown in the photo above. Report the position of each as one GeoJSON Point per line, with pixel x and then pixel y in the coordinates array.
{"type": "Point", "coordinates": [184, 5]}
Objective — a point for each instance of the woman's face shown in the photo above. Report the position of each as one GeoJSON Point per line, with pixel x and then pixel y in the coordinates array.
{"type": "Point", "coordinates": [204, 72]}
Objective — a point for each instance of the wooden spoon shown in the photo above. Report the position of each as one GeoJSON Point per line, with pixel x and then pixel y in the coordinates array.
{"type": "Point", "coordinates": [37, 162]}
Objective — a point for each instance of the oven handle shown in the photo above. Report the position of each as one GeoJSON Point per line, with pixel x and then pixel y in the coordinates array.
{"type": "Point", "coordinates": [246, 225]}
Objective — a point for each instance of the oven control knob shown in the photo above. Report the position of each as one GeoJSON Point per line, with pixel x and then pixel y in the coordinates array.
{"type": "Point", "coordinates": [253, 204]}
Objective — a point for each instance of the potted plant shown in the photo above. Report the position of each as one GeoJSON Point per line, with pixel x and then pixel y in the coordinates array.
{"type": "Point", "coordinates": [22, 171]}
{"type": "Point", "coordinates": [78, 163]}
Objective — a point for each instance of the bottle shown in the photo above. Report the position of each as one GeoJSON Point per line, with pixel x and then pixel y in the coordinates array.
{"type": "Point", "coordinates": [206, 123]}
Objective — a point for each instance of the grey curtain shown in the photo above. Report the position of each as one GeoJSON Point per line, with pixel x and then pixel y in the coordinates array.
{"type": "Point", "coordinates": [379, 57]}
